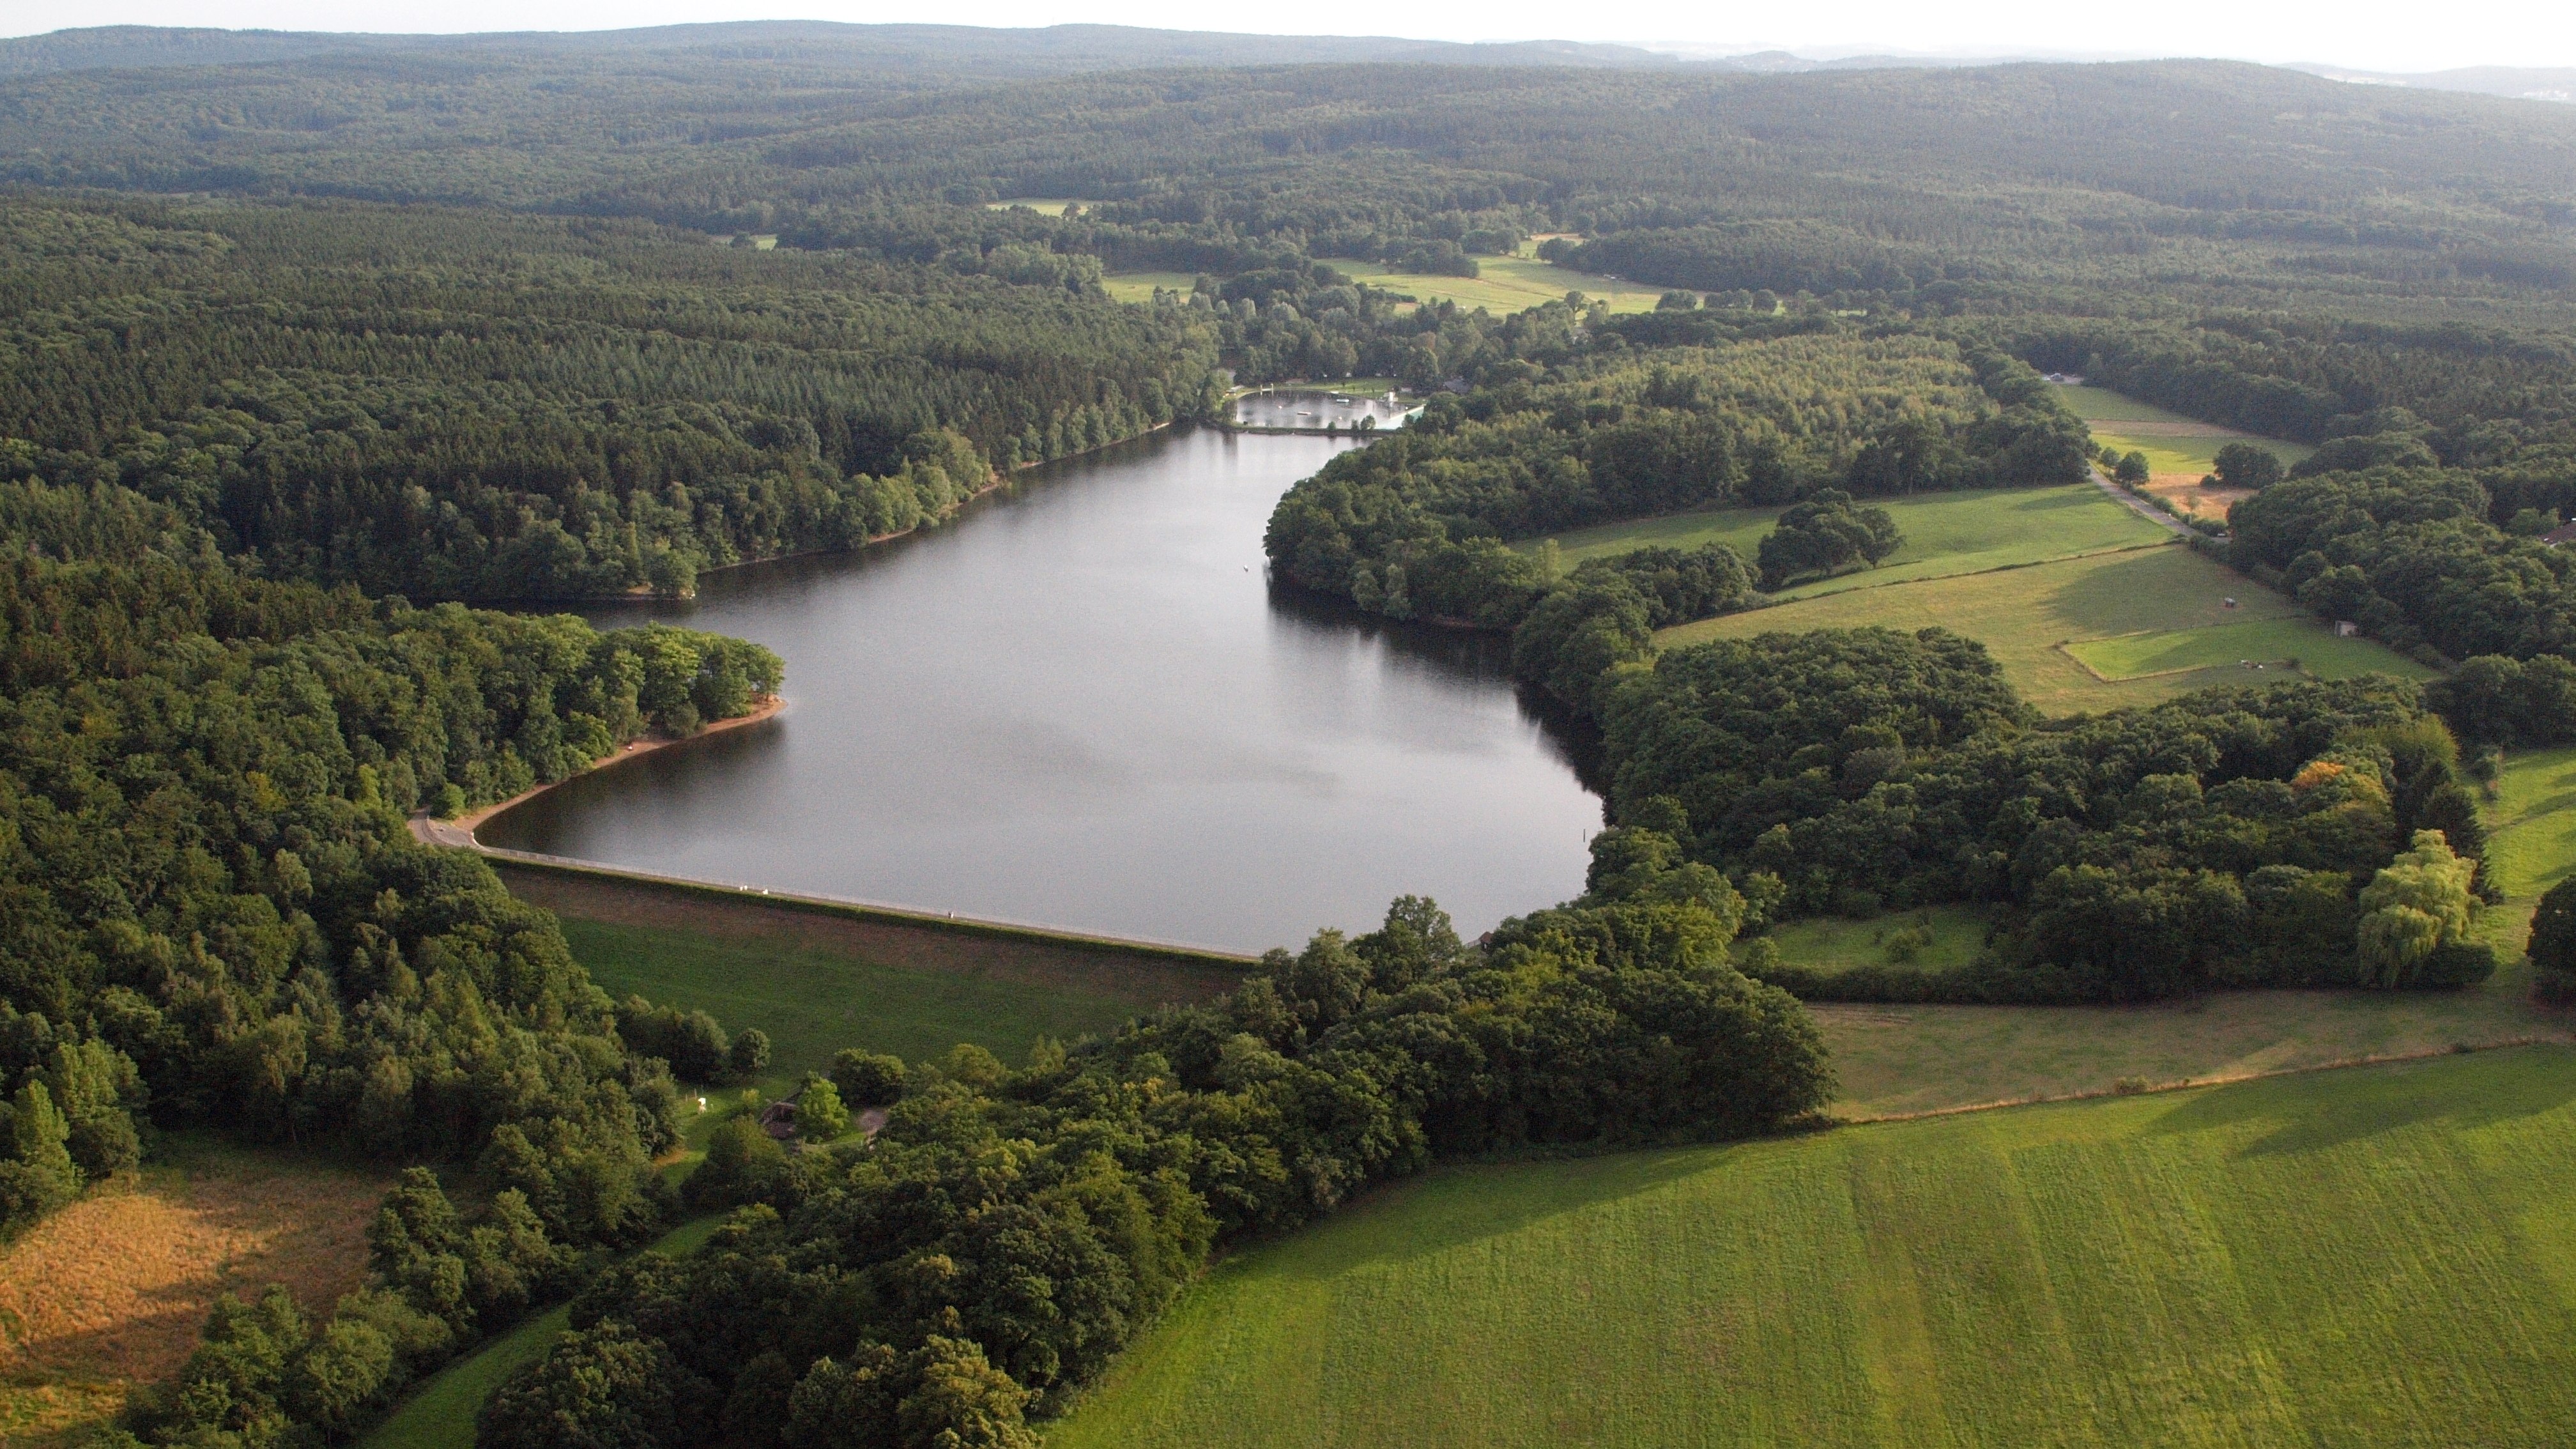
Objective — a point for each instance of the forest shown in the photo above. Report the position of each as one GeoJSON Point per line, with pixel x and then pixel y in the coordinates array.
{"type": "Point", "coordinates": [310, 358]}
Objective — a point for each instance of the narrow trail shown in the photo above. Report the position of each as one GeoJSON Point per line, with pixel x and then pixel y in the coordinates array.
{"type": "Point", "coordinates": [2139, 506]}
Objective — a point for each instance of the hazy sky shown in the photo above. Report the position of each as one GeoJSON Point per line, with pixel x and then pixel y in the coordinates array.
{"type": "Point", "coordinates": [2371, 34]}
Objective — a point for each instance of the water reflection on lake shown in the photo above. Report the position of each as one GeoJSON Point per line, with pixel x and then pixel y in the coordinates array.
{"type": "Point", "coordinates": [1083, 704]}
{"type": "Point", "coordinates": [1300, 409]}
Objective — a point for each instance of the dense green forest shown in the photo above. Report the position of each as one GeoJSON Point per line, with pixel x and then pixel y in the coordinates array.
{"type": "Point", "coordinates": [305, 350]}
{"type": "Point", "coordinates": [2307, 834]}
{"type": "Point", "coordinates": [457, 405]}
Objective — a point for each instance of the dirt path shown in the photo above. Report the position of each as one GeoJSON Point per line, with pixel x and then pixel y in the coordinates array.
{"type": "Point", "coordinates": [2140, 506]}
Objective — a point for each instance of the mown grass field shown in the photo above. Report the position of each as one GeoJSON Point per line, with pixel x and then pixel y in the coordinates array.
{"type": "Point", "coordinates": [2316, 649]}
{"type": "Point", "coordinates": [2532, 820]}
{"type": "Point", "coordinates": [2024, 615]}
{"type": "Point", "coordinates": [2383, 1256]}
{"type": "Point", "coordinates": [1945, 533]}
{"type": "Point", "coordinates": [1503, 285]}
{"type": "Point", "coordinates": [817, 983]}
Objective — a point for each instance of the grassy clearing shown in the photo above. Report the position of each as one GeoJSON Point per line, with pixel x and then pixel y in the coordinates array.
{"type": "Point", "coordinates": [2533, 822]}
{"type": "Point", "coordinates": [1897, 1060]}
{"type": "Point", "coordinates": [441, 1414]}
{"type": "Point", "coordinates": [2379, 1256]}
{"type": "Point", "coordinates": [818, 983]}
{"type": "Point", "coordinates": [1139, 286]}
{"type": "Point", "coordinates": [1833, 944]}
{"type": "Point", "coordinates": [1945, 533]}
{"type": "Point", "coordinates": [1503, 285]}
{"type": "Point", "coordinates": [2179, 450]}
{"type": "Point", "coordinates": [112, 1290]}
{"type": "Point", "coordinates": [1043, 205]}
{"type": "Point", "coordinates": [2024, 615]}
{"type": "Point", "coordinates": [2316, 648]}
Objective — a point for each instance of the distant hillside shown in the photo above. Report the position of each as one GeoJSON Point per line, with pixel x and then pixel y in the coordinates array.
{"type": "Point", "coordinates": [2522, 83]}
{"type": "Point", "coordinates": [960, 50]}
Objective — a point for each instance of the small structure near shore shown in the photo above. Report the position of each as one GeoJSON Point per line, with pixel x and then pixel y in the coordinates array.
{"type": "Point", "coordinates": [778, 1119]}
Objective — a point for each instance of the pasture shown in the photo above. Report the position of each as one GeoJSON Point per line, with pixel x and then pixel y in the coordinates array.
{"type": "Point", "coordinates": [1945, 533]}
{"type": "Point", "coordinates": [2315, 649]}
{"type": "Point", "coordinates": [2374, 1256]}
{"type": "Point", "coordinates": [2024, 615]}
{"type": "Point", "coordinates": [1503, 285]}
{"type": "Point", "coordinates": [2532, 820]}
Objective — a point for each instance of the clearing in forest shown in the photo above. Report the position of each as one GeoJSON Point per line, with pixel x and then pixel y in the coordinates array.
{"type": "Point", "coordinates": [112, 1290]}
{"type": "Point", "coordinates": [2180, 451]}
{"type": "Point", "coordinates": [1503, 285]}
{"type": "Point", "coordinates": [2026, 616]}
{"type": "Point", "coordinates": [1945, 533]}
{"type": "Point", "coordinates": [2372, 1256]}
{"type": "Point", "coordinates": [2531, 819]}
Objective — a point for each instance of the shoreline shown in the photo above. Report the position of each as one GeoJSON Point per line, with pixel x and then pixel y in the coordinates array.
{"type": "Point", "coordinates": [459, 832]}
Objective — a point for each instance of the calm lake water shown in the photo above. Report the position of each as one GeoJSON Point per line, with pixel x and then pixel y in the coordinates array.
{"type": "Point", "coordinates": [1081, 704]}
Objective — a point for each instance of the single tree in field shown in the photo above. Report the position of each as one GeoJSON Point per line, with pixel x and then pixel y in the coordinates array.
{"type": "Point", "coordinates": [2243, 465]}
{"type": "Point", "coordinates": [2553, 943]}
{"type": "Point", "coordinates": [2132, 468]}
{"type": "Point", "coordinates": [1826, 533]}
{"type": "Point", "coordinates": [2417, 904]}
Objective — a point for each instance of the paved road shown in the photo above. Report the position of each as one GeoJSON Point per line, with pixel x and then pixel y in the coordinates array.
{"type": "Point", "coordinates": [441, 832]}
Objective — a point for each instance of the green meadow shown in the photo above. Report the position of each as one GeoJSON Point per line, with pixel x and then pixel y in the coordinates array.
{"type": "Point", "coordinates": [2317, 649]}
{"type": "Point", "coordinates": [1945, 533]}
{"type": "Point", "coordinates": [2025, 615]}
{"type": "Point", "coordinates": [440, 1415]}
{"type": "Point", "coordinates": [1139, 286]}
{"type": "Point", "coordinates": [814, 1000]}
{"type": "Point", "coordinates": [2173, 443]}
{"type": "Point", "coordinates": [1831, 943]}
{"type": "Point", "coordinates": [1503, 285]}
{"type": "Point", "coordinates": [2378, 1256]}
{"type": "Point", "coordinates": [2532, 820]}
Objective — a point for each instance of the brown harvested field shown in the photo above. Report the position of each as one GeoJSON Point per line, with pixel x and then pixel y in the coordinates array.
{"type": "Point", "coordinates": [1898, 1060]}
{"type": "Point", "coordinates": [2183, 491]}
{"type": "Point", "coordinates": [1142, 978]}
{"type": "Point", "coordinates": [111, 1291]}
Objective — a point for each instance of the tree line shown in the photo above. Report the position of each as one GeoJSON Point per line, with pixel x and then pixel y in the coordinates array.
{"type": "Point", "coordinates": [2233, 837]}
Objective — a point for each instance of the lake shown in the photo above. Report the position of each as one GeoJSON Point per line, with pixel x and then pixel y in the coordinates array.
{"type": "Point", "coordinates": [1082, 704]}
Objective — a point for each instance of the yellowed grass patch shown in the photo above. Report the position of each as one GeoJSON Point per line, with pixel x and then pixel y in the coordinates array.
{"type": "Point", "coordinates": [112, 1290]}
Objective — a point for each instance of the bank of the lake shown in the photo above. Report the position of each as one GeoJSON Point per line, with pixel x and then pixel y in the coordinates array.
{"type": "Point", "coordinates": [1081, 704]}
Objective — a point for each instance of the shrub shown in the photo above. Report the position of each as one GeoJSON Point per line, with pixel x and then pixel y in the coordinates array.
{"type": "Point", "coordinates": [868, 1079]}
{"type": "Point", "coordinates": [820, 1115]}
{"type": "Point", "coordinates": [2553, 943]}
{"type": "Point", "coordinates": [2244, 465]}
